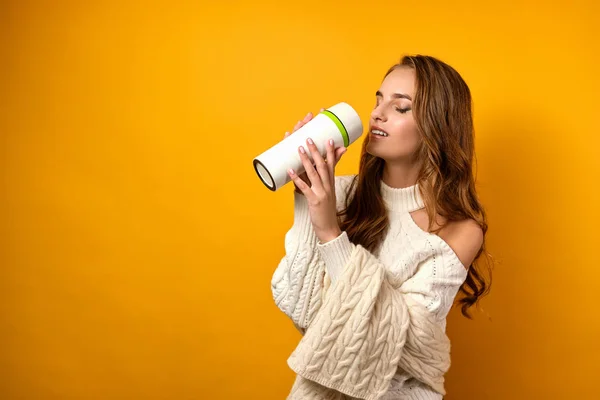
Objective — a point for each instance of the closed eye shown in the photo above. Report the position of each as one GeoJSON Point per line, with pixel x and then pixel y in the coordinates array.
{"type": "Point", "coordinates": [402, 110]}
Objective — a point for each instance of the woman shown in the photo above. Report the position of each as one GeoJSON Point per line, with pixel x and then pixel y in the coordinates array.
{"type": "Point", "coordinates": [409, 221]}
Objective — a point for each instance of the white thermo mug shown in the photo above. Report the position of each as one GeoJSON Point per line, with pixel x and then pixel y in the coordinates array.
{"type": "Point", "coordinates": [340, 123]}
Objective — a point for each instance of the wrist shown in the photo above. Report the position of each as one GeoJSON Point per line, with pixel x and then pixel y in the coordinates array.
{"type": "Point", "coordinates": [329, 236]}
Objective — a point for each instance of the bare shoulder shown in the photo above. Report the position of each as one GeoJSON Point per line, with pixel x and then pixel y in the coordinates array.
{"type": "Point", "coordinates": [465, 237]}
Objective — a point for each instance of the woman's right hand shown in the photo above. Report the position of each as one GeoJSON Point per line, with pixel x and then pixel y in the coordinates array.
{"type": "Point", "coordinates": [338, 151]}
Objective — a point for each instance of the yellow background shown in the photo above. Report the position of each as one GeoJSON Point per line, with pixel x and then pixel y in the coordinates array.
{"type": "Point", "coordinates": [137, 243]}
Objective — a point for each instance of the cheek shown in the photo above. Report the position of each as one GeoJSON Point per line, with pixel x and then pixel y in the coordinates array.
{"type": "Point", "coordinates": [405, 132]}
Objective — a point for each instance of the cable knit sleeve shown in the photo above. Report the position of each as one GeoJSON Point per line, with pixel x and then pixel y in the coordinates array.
{"type": "Point", "coordinates": [297, 281]}
{"type": "Point", "coordinates": [431, 284]}
{"type": "Point", "coordinates": [367, 327]}
{"type": "Point", "coordinates": [336, 254]}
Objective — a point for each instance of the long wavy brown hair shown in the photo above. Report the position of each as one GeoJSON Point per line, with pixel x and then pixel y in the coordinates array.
{"type": "Point", "coordinates": [443, 114]}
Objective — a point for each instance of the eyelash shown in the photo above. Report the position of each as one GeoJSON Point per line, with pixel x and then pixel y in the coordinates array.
{"type": "Point", "coordinates": [400, 110]}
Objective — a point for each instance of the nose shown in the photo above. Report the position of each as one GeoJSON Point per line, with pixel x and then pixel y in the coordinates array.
{"type": "Point", "coordinates": [377, 114]}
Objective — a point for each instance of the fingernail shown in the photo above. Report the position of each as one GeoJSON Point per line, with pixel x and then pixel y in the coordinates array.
{"type": "Point", "coordinates": [331, 142]}
{"type": "Point", "coordinates": [291, 171]}
{"type": "Point", "coordinates": [310, 141]}
{"type": "Point", "coordinates": [301, 149]}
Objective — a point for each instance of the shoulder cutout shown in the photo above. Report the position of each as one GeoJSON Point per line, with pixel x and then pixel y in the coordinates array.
{"type": "Point", "coordinates": [465, 238]}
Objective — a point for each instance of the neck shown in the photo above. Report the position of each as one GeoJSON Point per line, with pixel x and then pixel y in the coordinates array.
{"type": "Point", "coordinates": [400, 173]}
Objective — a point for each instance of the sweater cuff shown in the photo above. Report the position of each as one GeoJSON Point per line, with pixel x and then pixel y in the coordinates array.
{"type": "Point", "coordinates": [336, 253]}
{"type": "Point", "coordinates": [302, 223]}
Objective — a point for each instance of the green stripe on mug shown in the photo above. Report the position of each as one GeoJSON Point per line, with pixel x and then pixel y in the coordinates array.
{"type": "Point", "coordinates": [339, 124]}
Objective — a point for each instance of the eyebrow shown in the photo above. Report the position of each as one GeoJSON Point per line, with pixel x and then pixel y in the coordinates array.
{"type": "Point", "coordinates": [395, 95]}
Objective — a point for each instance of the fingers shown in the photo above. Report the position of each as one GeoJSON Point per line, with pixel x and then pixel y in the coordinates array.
{"type": "Point", "coordinates": [319, 162]}
{"type": "Point", "coordinates": [297, 126]}
{"type": "Point", "coordinates": [332, 160]}
{"type": "Point", "coordinates": [319, 173]}
{"type": "Point", "coordinates": [306, 182]}
{"type": "Point", "coordinates": [300, 184]}
{"type": "Point", "coordinates": [339, 152]}
{"type": "Point", "coordinates": [313, 175]}
{"type": "Point", "coordinates": [303, 121]}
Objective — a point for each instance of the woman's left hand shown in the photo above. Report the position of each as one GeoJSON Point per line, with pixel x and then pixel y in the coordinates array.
{"type": "Point", "coordinates": [321, 194]}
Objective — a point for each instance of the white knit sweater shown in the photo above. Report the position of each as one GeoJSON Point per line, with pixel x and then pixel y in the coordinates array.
{"type": "Point", "coordinates": [428, 268]}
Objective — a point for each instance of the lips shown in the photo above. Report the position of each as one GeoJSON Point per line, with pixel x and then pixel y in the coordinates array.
{"type": "Point", "coordinates": [377, 137]}
{"type": "Point", "coordinates": [377, 129]}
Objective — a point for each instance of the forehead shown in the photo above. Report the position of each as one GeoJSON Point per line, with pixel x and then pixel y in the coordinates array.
{"type": "Point", "coordinates": [400, 80]}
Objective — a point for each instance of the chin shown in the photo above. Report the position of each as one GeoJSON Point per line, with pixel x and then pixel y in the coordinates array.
{"type": "Point", "coordinates": [390, 158]}
{"type": "Point", "coordinates": [377, 155]}
{"type": "Point", "coordinates": [372, 150]}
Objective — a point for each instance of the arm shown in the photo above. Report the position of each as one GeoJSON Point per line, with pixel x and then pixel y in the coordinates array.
{"type": "Point", "coordinates": [433, 287]}
{"type": "Point", "coordinates": [369, 324]}
{"type": "Point", "coordinates": [297, 281]}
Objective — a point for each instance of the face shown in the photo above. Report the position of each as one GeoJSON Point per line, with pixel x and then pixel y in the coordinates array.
{"type": "Point", "coordinates": [393, 115]}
